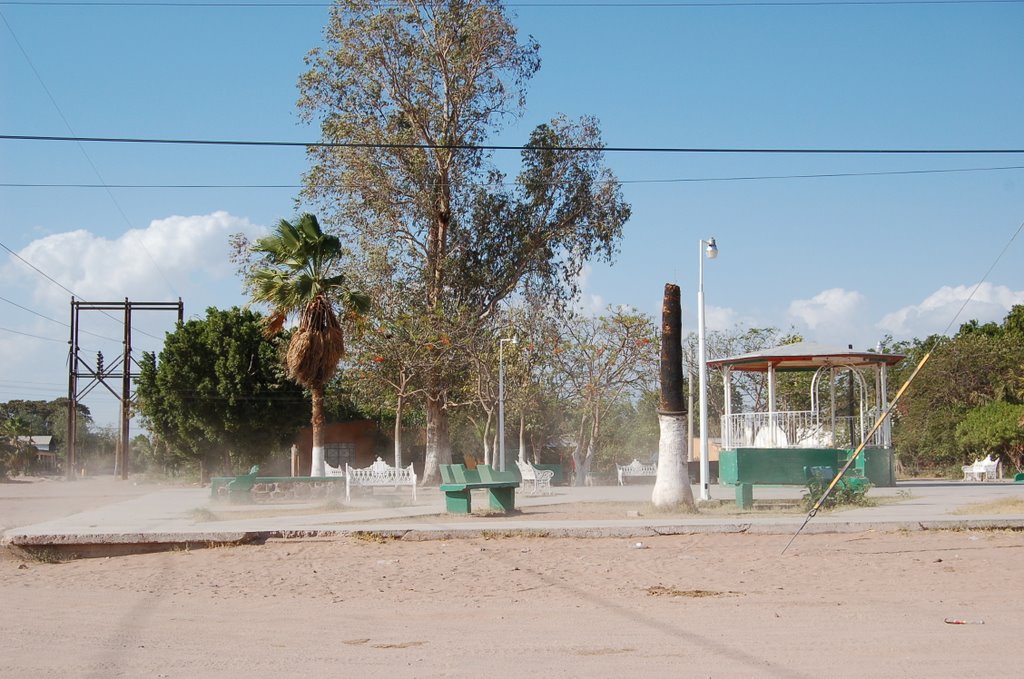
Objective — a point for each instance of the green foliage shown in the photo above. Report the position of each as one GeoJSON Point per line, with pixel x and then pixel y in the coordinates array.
{"type": "Point", "coordinates": [408, 91]}
{"type": "Point", "coordinates": [15, 456]}
{"type": "Point", "coordinates": [47, 418]}
{"type": "Point", "coordinates": [219, 393]}
{"type": "Point", "coordinates": [982, 364]}
{"type": "Point", "coordinates": [846, 494]}
{"type": "Point", "coordinates": [996, 428]}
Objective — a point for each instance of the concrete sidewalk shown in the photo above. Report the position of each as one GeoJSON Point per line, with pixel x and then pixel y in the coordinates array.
{"type": "Point", "coordinates": [187, 516]}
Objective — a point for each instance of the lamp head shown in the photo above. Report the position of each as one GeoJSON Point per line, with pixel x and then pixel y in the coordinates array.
{"type": "Point", "coordinates": [712, 249]}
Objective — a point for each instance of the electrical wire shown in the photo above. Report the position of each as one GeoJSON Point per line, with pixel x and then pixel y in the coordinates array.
{"type": "Point", "coordinates": [525, 5]}
{"type": "Point", "coordinates": [501, 147]}
{"type": "Point", "coordinates": [670, 180]}
{"type": "Point", "coordinates": [899, 394]}
{"type": "Point", "coordinates": [88, 158]}
{"type": "Point", "coordinates": [68, 290]}
{"type": "Point", "coordinates": [38, 337]}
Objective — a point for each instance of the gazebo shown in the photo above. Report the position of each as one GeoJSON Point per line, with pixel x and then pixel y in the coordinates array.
{"type": "Point", "coordinates": [773, 447]}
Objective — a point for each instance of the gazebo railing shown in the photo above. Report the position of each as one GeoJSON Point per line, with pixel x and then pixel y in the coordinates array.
{"type": "Point", "coordinates": [790, 429]}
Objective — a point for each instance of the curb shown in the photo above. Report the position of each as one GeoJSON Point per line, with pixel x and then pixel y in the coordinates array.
{"type": "Point", "coordinates": [85, 545]}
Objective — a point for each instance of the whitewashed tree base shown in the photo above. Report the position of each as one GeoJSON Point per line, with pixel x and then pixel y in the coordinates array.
{"type": "Point", "coordinates": [672, 484]}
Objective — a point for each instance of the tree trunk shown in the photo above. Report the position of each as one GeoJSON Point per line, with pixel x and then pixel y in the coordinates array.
{"type": "Point", "coordinates": [487, 439]}
{"type": "Point", "coordinates": [398, 433]}
{"type": "Point", "coordinates": [578, 457]}
{"type": "Point", "coordinates": [317, 466]}
{"type": "Point", "coordinates": [438, 447]}
{"type": "Point", "coordinates": [522, 437]}
{"type": "Point", "coordinates": [672, 484]}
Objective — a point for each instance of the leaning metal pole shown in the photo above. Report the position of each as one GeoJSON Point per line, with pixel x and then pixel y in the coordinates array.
{"type": "Point", "coordinates": [860, 447]}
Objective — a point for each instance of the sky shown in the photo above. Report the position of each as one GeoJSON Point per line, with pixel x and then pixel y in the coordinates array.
{"type": "Point", "coordinates": [845, 249]}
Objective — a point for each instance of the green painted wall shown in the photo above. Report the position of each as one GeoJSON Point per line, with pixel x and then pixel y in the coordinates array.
{"type": "Point", "coordinates": [785, 466]}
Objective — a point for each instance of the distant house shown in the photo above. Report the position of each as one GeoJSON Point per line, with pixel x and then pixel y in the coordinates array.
{"type": "Point", "coordinates": [45, 457]}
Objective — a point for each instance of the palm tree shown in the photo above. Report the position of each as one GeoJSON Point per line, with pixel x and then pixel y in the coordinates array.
{"type": "Point", "coordinates": [301, 274]}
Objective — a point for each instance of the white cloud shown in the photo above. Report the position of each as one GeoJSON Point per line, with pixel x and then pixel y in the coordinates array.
{"type": "Point", "coordinates": [834, 316]}
{"type": "Point", "coordinates": [176, 256]}
{"type": "Point", "coordinates": [938, 310]}
{"type": "Point", "coordinates": [720, 318]}
{"type": "Point", "coordinates": [832, 307]}
{"type": "Point", "coordinates": [171, 257]}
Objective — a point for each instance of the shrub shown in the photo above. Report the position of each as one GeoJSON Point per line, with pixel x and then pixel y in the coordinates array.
{"type": "Point", "coordinates": [847, 493]}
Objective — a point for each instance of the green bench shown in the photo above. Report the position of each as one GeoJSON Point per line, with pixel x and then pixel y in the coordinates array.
{"type": "Point", "coordinates": [458, 482]}
{"type": "Point", "coordinates": [237, 488]}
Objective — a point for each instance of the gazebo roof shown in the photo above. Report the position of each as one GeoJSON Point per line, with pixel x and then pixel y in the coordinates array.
{"type": "Point", "coordinates": [804, 356]}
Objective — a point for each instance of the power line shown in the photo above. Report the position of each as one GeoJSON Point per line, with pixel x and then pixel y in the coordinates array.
{"type": "Point", "coordinates": [81, 148]}
{"type": "Point", "coordinates": [38, 270]}
{"type": "Point", "coordinates": [674, 180]}
{"type": "Point", "coordinates": [54, 320]}
{"type": "Point", "coordinates": [499, 147]}
{"type": "Point", "coordinates": [31, 311]}
{"type": "Point", "coordinates": [527, 5]}
{"type": "Point", "coordinates": [67, 290]}
{"type": "Point", "coordinates": [38, 337]}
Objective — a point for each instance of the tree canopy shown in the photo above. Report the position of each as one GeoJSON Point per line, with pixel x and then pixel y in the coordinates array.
{"type": "Point", "coordinates": [961, 405]}
{"type": "Point", "coordinates": [407, 92]}
{"type": "Point", "coordinates": [218, 393]}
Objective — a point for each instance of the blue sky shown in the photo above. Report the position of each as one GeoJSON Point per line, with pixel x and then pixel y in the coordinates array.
{"type": "Point", "coordinates": [844, 259]}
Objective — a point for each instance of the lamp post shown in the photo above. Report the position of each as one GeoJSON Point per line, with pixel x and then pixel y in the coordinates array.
{"type": "Point", "coordinates": [501, 400]}
{"type": "Point", "coordinates": [709, 248]}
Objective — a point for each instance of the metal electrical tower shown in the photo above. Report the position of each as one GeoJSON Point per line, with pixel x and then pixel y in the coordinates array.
{"type": "Point", "coordinates": [121, 369]}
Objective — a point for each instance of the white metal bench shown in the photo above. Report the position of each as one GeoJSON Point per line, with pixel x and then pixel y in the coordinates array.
{"type": "Point", "coordinates": [535, 481]}
{"type": "Point", "coordinates": [635, 468]}
{"type": "Point", "coordinates": [983, 470]}
{"type": "Point", "coordinates": [379, 474]}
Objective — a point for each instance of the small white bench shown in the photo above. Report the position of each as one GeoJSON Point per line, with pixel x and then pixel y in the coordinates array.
{"type": "Point", "coordinates": [535, 481]}
{"type": "Point", "coordinates": [983, 470]}
{"type": "Point", "coordinates": [635, 468]}
{"type": "Point", "coordinates": [380, 473]}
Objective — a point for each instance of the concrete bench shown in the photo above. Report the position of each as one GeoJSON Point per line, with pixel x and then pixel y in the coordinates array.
{"type": "Point", "coordinates": [457, 482]}
{"type": "Point", "coordinates": [252, 489]}
{"type": "Point", "coordinates": [234, 488]}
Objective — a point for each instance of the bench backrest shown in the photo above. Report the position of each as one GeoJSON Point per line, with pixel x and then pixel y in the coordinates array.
{"type": "Point", "coordinates": [462, 475]}
{"type": "Point", "coordinates": [489, 475]}
{"type": "Point", "coordinates": [526, 471]}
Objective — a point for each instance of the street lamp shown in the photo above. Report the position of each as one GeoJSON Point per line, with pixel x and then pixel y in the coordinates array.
{"type": "Point", "coordinates": [501, 399]}
{"type": "Point", "coordinates": [709, 248]}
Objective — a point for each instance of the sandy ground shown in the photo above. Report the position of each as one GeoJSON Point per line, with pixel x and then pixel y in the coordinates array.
{"type": "Point", "coordinates": [851, 605]}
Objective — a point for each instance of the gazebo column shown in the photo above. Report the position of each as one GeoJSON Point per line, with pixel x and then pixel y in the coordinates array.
{"type": "Point", "coordinates": [883, 380]}
{"type": "Point", "coordinates": [832, 402]}
{"type": "Point", "coordinates": [772, 416]}
{"type": "Point", "coordinates": [727, 442]}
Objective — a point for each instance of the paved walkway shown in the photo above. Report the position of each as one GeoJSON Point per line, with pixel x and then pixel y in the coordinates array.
{"type": "Point", "coordinates": [187, 515]}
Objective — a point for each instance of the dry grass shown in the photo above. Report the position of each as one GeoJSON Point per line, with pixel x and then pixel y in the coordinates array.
{"type": "Point", "coordinates": [1005, 506]}
{"type": "Point", "coordinates": [661, 590]}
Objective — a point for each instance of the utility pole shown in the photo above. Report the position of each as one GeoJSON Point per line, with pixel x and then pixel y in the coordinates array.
{"type": "Point", "coordinates": [123, 368]}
